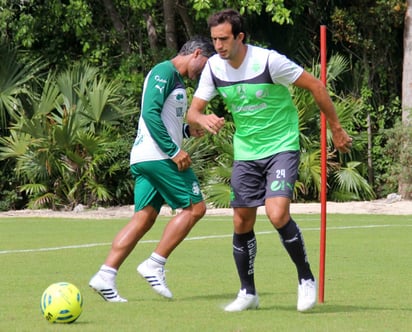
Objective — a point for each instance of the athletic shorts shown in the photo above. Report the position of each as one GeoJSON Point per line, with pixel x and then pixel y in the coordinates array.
{"type": "Point", "coordinates": [158, 182]}
{"type": "Point", "coordinates": [254, 181]}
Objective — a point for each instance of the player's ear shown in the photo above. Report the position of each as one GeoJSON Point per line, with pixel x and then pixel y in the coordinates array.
{"type": "Point", "coordinates": [197, 52]}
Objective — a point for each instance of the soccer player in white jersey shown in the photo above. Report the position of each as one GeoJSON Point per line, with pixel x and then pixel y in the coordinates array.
{"type": "Point", "coordinates": [253, 83]}
{"type": "Point", "coordinates": [161, 170]}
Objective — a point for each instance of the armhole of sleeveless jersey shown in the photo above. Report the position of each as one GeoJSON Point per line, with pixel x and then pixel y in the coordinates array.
{"type": "Point", "coordinates": [267, 70]}
{"type": "Point", "coordinates": [212, 75]}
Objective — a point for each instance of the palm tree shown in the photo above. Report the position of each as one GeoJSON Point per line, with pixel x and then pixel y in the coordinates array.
{"type": "Point", "coordinates": [15, 80]}
{"type": "Point", "coordinates": [68, 149]}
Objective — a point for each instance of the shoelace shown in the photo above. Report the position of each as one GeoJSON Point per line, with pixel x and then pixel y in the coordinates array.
{"type": "Point", "coordinates": [162, 276]}
{"type": "Point", "coordinates": [306, 285]}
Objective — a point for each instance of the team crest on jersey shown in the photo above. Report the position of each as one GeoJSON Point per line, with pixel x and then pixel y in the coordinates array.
{"type": "Point", "coordinates": [195, 188]}
{"type": "Point", "coordinates": [256, 67]}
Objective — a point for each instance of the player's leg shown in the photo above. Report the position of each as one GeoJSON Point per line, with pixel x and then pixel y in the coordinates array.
{"type": "Point", "coordinates": [179, 227]}
{"type": "Point", "coordinates": [176, 230]}
{"type": "Point", "coordinates": [281, 179]}
{"type": "Point", "coordinates": [248, 191]}
{"type": "Point", "coordinates": [244, 253]}
{"type": "Point", "coordinates": [147, 206]}
{"type": "Point", "coordinates": [245, 247]}
{"type": "Point", "coordinates": [179, 190]}
{"type": "Point", "coordinates": [126, 240]}
{"type": "Point", "coordinates": [104, 281]}
{"type": "Point", "coordinates": [290, 236]}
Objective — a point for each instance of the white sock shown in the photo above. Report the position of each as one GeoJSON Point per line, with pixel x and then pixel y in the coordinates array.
{"type": "Point", "coordinates": [156, 260]}
{"type": "Point", "coordinates": [108, 273]}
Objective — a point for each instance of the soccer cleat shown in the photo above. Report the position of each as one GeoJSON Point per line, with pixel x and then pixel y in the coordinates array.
{"type": "Point", "coordinates": [306, 294]}
{"type": "Point", "coordinates": [106, 290]}
{"type": "Point", "coordinates": [156, 278]}
{"type": "Point", "coordinates": [243, 302]}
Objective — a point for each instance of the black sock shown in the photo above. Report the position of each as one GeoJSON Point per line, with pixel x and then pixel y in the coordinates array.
{"type": "Point", "coordinates": [244, 253]}
{"type": "Point", "coordinates": [292, 240]}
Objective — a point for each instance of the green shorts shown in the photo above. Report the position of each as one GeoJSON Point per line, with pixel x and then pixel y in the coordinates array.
{"type": "Point", "coordinates": [158, 182]}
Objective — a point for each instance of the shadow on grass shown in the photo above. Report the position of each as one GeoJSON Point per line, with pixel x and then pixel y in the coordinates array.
{"type": "Point", "coordinates": [325, 308]}
{"type": "Point", "coordinates": [330, 309]}
{"type": "Point", "coordinates": [320, 308]}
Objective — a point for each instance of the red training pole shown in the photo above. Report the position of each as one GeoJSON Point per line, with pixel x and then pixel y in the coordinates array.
{"type": "Point", "coordinates": [323, 188]}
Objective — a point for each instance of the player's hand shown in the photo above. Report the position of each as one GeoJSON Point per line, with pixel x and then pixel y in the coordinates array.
{"type": "Point", "coordinates": [196, 132]}
{"type": "Point", "coordinates": [341, 140]}
{"type": "Point", "coordinates": [211, 122]}
{"type": "Point", "coordinates": [182, 160]}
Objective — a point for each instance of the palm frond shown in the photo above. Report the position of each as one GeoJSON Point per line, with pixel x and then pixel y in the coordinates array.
{"type": "Point", "coordinates": [347, 179]}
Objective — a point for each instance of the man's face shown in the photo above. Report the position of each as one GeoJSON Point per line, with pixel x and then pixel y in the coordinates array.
{"type": "Point", "coordinates": [226, 45]}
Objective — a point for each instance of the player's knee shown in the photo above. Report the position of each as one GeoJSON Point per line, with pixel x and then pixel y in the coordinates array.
{"type": "Point", "coordinates": [198, 210]}
{"type": "Point", "coordinates": [279, 218]}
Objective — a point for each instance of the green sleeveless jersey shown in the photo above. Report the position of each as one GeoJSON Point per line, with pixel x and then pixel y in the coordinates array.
{"type": "Point", "coordinates": [258, 97]}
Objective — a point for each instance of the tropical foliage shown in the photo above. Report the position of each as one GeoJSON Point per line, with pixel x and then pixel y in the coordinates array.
{"type": "Point", "coordinates": [67, 147]}
{"type": "Point", "coordinates": [72, 72]}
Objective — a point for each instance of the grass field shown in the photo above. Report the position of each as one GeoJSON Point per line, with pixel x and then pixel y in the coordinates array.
{"type": "Point", "coordinates": [367, 288]}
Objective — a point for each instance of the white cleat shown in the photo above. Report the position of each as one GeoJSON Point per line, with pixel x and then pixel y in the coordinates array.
{"type": "Point", "coordinates": [243, 302]}
{"type": "Point", "coordinates": [306, 295]}
{"type": "Point", "coordinates": [106, 290]}
{"type": "Point", "coordinates": [156, 278]}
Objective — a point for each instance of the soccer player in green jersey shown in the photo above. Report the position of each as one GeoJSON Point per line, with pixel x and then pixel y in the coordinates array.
{"type": "Point", "coordinates": [161, 170]}
{"type": "Point", "coordinates": [253, 83]}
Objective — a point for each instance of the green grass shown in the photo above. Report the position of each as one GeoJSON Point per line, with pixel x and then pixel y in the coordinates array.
{"type": "Point", "coordinates": [367, 288]}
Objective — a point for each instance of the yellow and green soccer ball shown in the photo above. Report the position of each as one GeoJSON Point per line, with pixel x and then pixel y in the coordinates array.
{"type": "Point", "coordinates": [61, 302]}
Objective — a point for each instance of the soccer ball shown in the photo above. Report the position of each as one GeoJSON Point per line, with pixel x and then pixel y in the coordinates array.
{"type": "Point", "coordinates": [61, 302]}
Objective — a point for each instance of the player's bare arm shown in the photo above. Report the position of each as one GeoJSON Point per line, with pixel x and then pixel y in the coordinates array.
{"type": "Point", "coordinates": [341, 140]}
{"type": "Point", "coordinates": [196, 117]}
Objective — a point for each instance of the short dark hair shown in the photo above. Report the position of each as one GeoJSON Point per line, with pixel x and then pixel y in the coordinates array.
{"type": "Point", "coordinates": [198, 42]}
{"type": "Point", "coordinates": [230, 16]}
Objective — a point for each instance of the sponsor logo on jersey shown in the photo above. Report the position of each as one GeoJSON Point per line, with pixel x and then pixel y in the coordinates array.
{"type": "Point", "coordinates": [160, 88]}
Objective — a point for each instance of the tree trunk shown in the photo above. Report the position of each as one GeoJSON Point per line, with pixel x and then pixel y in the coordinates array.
{"type": "Point", "coordinates": [369, 153]}
{"type": "Point", "coordinates": [151, 32]}
{"type": "Point", "coordinates": [405, 181]}
{"type": "Point", "coordinates": [170, 25]}
{"type": "Point", "coordinates": [187, 20]}
{"type": "Point", "coordinates": [118, 25]}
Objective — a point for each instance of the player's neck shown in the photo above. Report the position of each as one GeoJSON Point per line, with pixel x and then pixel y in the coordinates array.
{"type": "Point", "coordinates": [180, 63]}
{"type": "Point", "coordinates": [237, 61]}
